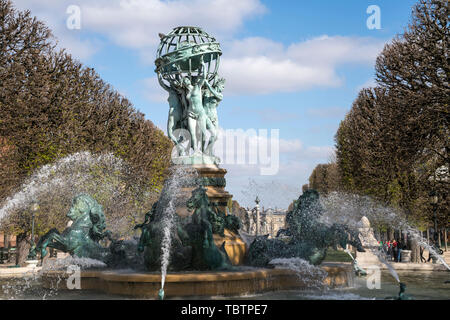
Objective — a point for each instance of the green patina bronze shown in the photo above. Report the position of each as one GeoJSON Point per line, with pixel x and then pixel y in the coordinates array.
{"type": "Point", "coordinates": [358, 270]}
{"type": "Point", "coordinates": [187, 66]}
{"type": "Point", "coordinates": [306, 236]}
{"type": "Point", "coordinates": [193, 246]}
{"type": "Point", "coordinates": [212, 181]}
{"type": "Point", "coordinates": [82, 237]}
{"type": "Point", "coordinates": [401, 294]}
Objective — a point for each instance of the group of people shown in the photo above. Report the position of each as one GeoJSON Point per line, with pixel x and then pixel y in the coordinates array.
{"type": "Point", "coordinates": [392, 249]}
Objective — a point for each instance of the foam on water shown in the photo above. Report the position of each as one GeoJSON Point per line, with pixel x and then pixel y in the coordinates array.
{"type": "Point", "coordinates": [312, 276]}
{"type": "Point", "coordinates": [63, 264]}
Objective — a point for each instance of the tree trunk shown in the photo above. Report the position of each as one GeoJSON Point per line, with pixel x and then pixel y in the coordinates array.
{"type": "Point", "coordinates": [22, 248]}
{"type": "Point", "coordinates": [390, 234]}
{"type": "Point", "coordinates": [415, 250]}
{"type": "Point", "coordinates": [445, 239]}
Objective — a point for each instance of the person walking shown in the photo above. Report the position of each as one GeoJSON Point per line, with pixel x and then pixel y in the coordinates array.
{"type": "Point", "coordinates": [395, 250]}
{"type": "Point", "coordinates": [389, 250]}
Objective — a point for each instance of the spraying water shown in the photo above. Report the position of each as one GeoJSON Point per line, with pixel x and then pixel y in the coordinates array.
{"type": "Point", "coordinates": [105, 177]}
{"type": "Point", "coordinates": [348, 209]}
{"type": "Point", "coordinates": [349, 253]}
{"type": "Point", "coordinates": [166, 241]}
{"type": "Point", "coordinates": [172, 196]}
{"type": "Point", "coordinates": [312, 276]}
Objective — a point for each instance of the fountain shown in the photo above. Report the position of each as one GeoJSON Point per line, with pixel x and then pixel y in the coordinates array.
{"type": "Point", "coordinates": [309, 237]}
{"type": "Point", "coordinates": [190, 244]}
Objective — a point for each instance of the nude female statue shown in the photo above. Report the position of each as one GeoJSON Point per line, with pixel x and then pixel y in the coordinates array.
{"type": "Point", "coordinates": [196, 113]}
{"type": "Point", "coordinates": [212, 98]}
{"type": "Point", "coordinates": [175, 108]}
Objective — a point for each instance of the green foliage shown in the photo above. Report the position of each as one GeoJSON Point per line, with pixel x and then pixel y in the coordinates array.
{"type": "Point", "coordinates": [52, 106]}
{"type": "Point", "coordinates": [337, 256]}
{"type": "Point", "coordinates": [394, 140]}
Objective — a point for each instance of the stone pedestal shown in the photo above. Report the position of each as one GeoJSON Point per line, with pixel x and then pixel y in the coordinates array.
{"type": "Point", "coordinates": [213, 179]}
{"type": "Point", "coordinates": [406, 256]}
{"type": "Point", "coordinates": [195, 284]}
{"type": "Point", "coordinates": [369, 243]}
{"type": "Point", "coordinates": [234, 246]}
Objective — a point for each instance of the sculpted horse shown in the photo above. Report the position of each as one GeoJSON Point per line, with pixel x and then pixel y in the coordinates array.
{"type": "Point", "coordinates": [199, 233]}
{"type": "Point", "coordinates": [192, 245]}
{"type": "Point", "coordinates": [82, 238]}
{"type": "Point", "coordinates": [307, 237]}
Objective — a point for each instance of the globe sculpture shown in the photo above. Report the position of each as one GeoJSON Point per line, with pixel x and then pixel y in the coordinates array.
{"type": "Point", "coordinates": [187, 65]}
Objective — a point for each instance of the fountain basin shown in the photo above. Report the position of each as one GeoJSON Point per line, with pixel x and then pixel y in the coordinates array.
{"type": "Point", "coordinates": [232, 283]}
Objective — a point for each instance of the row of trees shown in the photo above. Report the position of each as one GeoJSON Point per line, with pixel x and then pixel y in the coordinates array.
{"type": "Point", "coordinates": [393, 144]}
{"type": "Point", "coordinates": [52, 106]}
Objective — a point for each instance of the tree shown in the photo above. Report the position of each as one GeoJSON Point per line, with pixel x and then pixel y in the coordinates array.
{"type": "Point", "coordinates": [325, 178]}
{"type": "Point", "coordinates": [394, 140]}
{"type": "Point", "coordinates": [415, 68]}
{"type": "Point", "coordinates": [52, 106]}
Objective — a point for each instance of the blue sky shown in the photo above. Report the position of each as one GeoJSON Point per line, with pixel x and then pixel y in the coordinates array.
{"type": "Point", "coordinates": [295, 66]}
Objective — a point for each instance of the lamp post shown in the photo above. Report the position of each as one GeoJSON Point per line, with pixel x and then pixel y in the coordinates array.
{"type": "Point", "coordinates": [257, 216]}
{"type": "Point", "coordinates": [434, 202]}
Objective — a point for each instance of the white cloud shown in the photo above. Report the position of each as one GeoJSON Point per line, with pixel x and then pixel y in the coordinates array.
{"type": "Point", "coordinates": [251, 66]}
{"type": "Point", "coordinates": [334, 50]}
{"type": "Point", "coordinates": [262, 75]}
{"type": "Point", "coordinates": [261, 66]}
{"type": "Point", "coordinates": [136, 23]}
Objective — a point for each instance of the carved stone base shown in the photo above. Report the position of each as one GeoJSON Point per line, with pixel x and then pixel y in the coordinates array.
{"type": "Point", "coordinates": [234, 246]}
{"type": "Point", "coordinates": [213, 178]}
{"type": "Point", "coordinates": [195, 284]}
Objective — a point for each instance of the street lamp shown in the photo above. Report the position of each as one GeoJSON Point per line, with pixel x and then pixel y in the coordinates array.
{"type": "Point", "coordinates": [434, 203]}
{"type": "Point", "coordinates": [257, 216]}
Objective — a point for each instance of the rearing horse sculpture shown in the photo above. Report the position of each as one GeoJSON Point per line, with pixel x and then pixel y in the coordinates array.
{"type": "Point", "coordinates": [82, 238]}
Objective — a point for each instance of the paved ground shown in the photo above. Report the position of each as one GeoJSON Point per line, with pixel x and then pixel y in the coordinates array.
{"type": "Point", "coordinates": [417, 266]}
{"type": "Point", "coordinates": [447, 257]}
